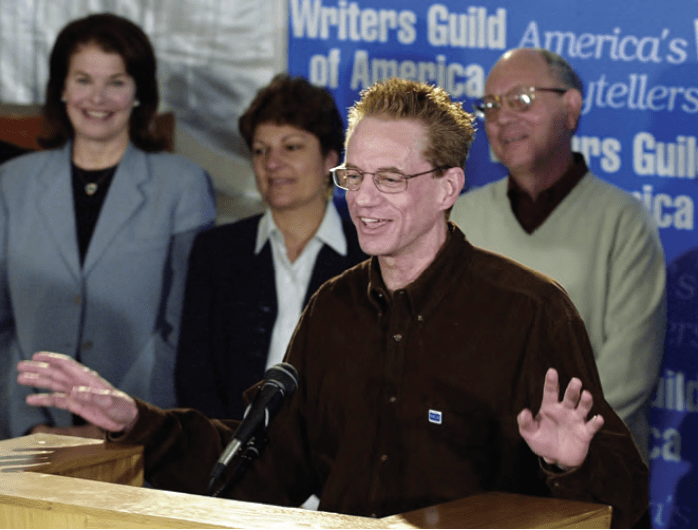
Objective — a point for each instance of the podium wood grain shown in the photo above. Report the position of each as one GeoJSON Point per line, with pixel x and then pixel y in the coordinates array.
{"type": "Point", "coordinates": [507, 510]}
{"type": "Point", "coordinates": [50, 481]}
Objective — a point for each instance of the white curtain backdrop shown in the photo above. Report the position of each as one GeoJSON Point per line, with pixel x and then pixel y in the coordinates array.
{"type": "Point", "coordinates": [213, 55]}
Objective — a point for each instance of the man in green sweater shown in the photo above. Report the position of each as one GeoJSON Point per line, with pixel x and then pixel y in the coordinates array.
{"type": "Point", "coordinates": [553, 215]}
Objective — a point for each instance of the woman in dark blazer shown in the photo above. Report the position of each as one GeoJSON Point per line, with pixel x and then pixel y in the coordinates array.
{"type": "Point", "coordinates": [96, 229]}
{"type": "Point", "coordinates": [248, 281]}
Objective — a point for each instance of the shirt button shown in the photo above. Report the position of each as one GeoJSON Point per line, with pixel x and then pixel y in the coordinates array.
{"type": "Point", "coordinates": [397, 337]}
{"type": "Point", "coordinates": [77, 300]}
{"type": "Point", "coordinates": [392, 399]}
{"type": "Point", "coordinates": [420, 318]}
{"type": "Point", "coordinates": [384, 459]}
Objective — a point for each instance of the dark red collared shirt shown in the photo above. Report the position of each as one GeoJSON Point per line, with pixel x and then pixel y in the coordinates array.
{"type": "Point", "coordinates": [531, 214]}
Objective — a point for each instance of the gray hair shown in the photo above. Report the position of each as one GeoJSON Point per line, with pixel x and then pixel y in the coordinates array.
{"type": "Point", "coordinates": [562, 71]}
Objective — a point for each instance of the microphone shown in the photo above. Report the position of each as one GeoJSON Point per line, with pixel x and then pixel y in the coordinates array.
{"type": "Point", "coordinates": [279, 381]}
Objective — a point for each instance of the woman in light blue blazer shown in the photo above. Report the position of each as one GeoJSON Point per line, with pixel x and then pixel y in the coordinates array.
{"type": "Point", "coordinates": [95, 232]}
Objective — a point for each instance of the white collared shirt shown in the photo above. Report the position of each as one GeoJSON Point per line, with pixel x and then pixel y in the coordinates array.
{"type": "Point", "coordinates": [292, 279]}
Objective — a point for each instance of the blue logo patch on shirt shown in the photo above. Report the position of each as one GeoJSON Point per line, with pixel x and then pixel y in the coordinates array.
{"type": "Point", "coordinates": [435, 416]}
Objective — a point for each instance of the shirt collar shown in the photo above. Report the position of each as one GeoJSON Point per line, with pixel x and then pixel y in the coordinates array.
{"type": "Point", "coordinates": [564, 184]}
{"type": "Point", "coordinates": [330, 231]}
{"type": "Point", "coordinates": [531, 214]}
{"type": "Point", "coordinates": [426, 292]}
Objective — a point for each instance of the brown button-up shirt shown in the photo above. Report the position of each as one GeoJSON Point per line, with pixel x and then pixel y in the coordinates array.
{"type": "Point", "coordinates": [410, 399]}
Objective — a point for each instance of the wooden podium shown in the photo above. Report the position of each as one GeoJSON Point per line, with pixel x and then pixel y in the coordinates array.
{"type": "Point", "coordinates": [50, 481]}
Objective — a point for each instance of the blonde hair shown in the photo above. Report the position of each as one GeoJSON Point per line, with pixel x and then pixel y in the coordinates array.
{"type": "Point", "coordinates": [450, 130]}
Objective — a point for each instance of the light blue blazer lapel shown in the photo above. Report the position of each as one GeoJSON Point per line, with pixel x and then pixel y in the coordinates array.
{"type": "Point", "coordinates": [123, 200]}
{"type": "Point", "coordinates": [56, 206]}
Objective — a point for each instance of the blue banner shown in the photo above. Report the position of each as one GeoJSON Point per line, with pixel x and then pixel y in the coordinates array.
{"type": "Point", "coordinates": [638, 61]}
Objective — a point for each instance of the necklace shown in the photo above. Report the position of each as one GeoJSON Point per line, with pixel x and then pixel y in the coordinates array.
{"type": "Point", "coordinates": [91, 188]}
{"type": "Point", "coordinates": [93, 179]}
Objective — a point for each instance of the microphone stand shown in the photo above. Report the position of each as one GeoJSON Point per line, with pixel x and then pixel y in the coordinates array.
{"type": "Point", "coordinates": [249, 453]}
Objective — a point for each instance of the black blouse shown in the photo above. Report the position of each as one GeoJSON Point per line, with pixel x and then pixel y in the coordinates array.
{"type": "Point", "coordinates": [90, 187]}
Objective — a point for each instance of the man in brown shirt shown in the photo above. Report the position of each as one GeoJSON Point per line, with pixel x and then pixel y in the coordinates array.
{"type": "Point", "coordinates": [424, 372]}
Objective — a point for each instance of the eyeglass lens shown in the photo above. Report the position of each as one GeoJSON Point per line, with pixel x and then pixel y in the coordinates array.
{"type": "Point", "coordinates": [351, 179]}
{"type": "Point", "coordinates": [519, 98]}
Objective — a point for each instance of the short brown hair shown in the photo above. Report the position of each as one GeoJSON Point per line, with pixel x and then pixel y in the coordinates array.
{"type": "Point", "coordinates": [449, 128]}
{"type": "Point", "coordinates": [113, 34]}
{"type": "Point", "coordinates": [295, 101]}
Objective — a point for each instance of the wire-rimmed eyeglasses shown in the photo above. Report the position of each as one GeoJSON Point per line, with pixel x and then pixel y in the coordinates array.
{"type": "Point", "coordinates": [387, 181]}
{"type": "Point", "coordinates": [519, 98]}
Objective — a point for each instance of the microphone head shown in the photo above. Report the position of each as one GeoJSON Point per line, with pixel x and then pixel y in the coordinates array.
{"type": "Point", "coordinates": [283, 375]}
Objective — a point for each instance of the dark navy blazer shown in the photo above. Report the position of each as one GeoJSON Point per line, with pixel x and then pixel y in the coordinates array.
{"type": "Point", "coordinates": [229, 312]}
